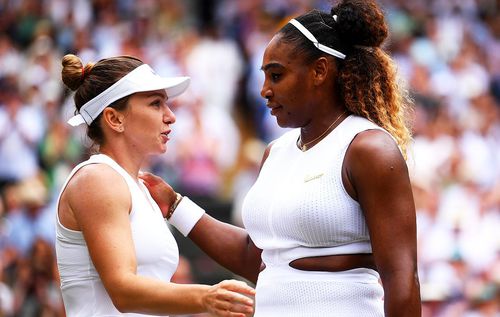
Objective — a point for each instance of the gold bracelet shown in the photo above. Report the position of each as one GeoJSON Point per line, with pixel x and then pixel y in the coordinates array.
{"type": "Point", "coordinates": [178, 198]}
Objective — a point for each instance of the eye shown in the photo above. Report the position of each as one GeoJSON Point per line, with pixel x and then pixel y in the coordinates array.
{"type": "Point", "coordinates": [156, 103]}
{"type": "Point", "coordinates": [275, 76]}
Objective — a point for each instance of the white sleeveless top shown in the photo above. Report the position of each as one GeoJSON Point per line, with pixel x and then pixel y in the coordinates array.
{"type": "Point", "coordinates": [298, 206]}
{"type": "Point", "coordinates": [155, 248]}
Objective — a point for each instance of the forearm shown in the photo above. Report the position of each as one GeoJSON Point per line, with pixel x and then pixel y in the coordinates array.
{"type": "Point", "coordinates": [228, 245]}
{"type": "Point", "coordinates": [144, 295]}
{"type": "Point", "coordinates": [401, 295]}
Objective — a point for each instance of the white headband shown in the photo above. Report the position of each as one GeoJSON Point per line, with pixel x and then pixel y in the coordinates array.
{"type": "Point", "coordinates": [313, 39]}
{"type": "Point", "coordinates": [143, 78]}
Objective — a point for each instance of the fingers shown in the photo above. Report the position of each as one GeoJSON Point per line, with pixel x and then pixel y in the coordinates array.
{"type": "Point", "coordinates": [231, 298]}
{"type": "Point", "coordinates": [152, 181]}
{"type": "Point", "coordinates": [149, 178]}
{"type": "Point", "coordinates": [226, 299]}
{"type": "Point", "coordinates": [238, 286]}
{"type": "Point", "coordinates": [228, 309]}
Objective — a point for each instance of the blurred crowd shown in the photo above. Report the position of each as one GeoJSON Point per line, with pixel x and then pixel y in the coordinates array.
{"type": "Point", "coordinates": [448, 56]}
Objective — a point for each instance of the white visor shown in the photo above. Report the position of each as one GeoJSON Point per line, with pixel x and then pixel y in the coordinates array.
{"type": "Point", "coordinates": [143, 78]}
{"type": "Point", "coordinates": [313, 39]}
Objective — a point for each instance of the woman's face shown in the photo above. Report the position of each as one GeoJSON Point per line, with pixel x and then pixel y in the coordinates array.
{"type": "Point", "coordinates": [147, 121]}
{"type": "Point", "coordinates": [287, 85]}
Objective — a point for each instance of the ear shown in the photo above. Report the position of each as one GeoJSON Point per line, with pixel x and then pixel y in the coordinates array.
{"type": "Point", "coordinates": [113, 118]}
{"type": "Point", "coordinates": [321, 68]}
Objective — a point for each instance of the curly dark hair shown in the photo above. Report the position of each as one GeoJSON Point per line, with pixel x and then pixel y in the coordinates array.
{"type": "Point", "coordinates": [367, 77]}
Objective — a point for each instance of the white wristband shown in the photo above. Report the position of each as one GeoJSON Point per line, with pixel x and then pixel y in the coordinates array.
{"type": "Point", "coordinates": [186, 216]}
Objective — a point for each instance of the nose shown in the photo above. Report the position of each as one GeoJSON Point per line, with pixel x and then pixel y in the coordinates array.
{"type": "Point", "coordinates": [266, 92]}
{"type": "Point", "coordinates": [168, 116]}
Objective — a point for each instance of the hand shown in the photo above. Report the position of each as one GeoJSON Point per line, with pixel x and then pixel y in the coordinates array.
{"type": "Point", "coordinates": [229, 298]}
{"type": "Point", "coordinates": [162, 193]}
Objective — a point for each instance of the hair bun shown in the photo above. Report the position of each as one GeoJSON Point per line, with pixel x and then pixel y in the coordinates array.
{"type": "Point", "coordinates": [73, 72]}
{"type": "Point", "coordinates": [360, 22]}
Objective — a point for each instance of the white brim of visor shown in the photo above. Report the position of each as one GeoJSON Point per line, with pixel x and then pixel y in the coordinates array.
{"type": "Point", "coordinates": [141, 79]}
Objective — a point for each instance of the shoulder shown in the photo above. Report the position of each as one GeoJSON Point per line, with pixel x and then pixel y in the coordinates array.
{"type": "Point", "coordinates": [376, 170]}
{"type": "Point", "coordinates": [97, 174]}
{"type": "Point", "coordinates": [374, 152]}
{"type": "Point", "coordinates": [374, 143]}
{"type": "Point", "coordinates": [96, 182]}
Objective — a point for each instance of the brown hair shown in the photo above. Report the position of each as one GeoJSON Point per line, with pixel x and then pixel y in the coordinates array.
{"type": "Point", "coordinates": [93, 79]}
{"type": "Point", "coordinates": [367, 80]}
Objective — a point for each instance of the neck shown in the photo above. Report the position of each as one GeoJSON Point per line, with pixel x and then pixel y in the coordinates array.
{"type": "Point", "coordinates": [313, 133]}
{"type": "Point", "coordinates": [128, 160]}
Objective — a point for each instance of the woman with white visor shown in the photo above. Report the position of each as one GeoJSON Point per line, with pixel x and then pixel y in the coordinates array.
{"type": "Point", "coordinates": [115, 253]}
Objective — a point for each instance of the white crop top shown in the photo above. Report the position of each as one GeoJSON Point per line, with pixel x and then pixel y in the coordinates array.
{"type": "Point", "coordinates": [298, 206]}
{"type": "Point", "coordinates": [155, 247]}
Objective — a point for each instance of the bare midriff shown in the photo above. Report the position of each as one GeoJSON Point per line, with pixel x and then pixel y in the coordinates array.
{"type": "Point", "coordinates": [335, 263]}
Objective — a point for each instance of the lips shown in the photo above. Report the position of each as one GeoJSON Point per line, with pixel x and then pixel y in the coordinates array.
{"type": "Point", "coordinates": [164, 135]}
{"type": "Point", "coordinates": [274, 107]}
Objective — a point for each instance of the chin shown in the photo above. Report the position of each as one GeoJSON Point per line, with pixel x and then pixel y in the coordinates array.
{"type": "Point", "coordinates": [159, 150]}
{"type": "Point", "coordinates": [283, 123]}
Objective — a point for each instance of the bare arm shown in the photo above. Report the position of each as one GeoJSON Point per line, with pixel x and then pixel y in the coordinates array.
{"type": "Point", "coordinates": [378, 176]}
{"type": "Point", "coordinates": [228, 245]}
{"type": "Point", "coordinates": [99, 200]}
{"type": "Point", "coordinates": [231, 247]}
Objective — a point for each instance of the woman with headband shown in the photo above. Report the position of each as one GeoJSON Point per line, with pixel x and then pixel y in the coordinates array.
{"type": "Point", "coordinates": [115, 253]}
{"type": "Point", "coordinates": [330, 222]}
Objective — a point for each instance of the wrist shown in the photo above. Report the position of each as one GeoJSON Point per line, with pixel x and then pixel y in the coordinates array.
{"type": "Point", "coordinates": [173, 206]}
{"type": "Point", "coordinates": [203, 299]}
{"type": "Point", "coordinates": [186, 215]}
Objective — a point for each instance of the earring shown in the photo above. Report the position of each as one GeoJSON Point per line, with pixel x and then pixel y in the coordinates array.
{"type": "Point", "coordinates": [120, 129]}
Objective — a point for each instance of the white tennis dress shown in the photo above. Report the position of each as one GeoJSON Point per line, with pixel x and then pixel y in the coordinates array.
{"type": "Point", "coordinates": [155, 247]}
{"type": "Point", "coordinates": [298, 207]}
